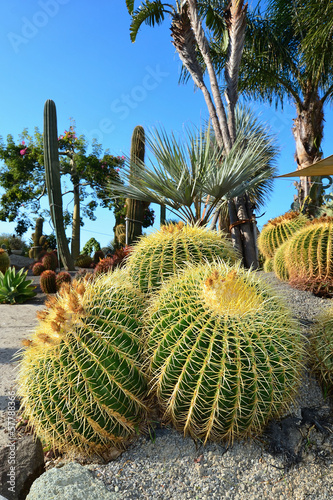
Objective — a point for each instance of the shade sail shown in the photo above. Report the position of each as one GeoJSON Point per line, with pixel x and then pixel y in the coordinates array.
{"type": "Point", "coordinates": [321, 167]}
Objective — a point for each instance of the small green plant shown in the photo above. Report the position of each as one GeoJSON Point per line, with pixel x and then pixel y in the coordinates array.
{"type": "Point", "coordinates": [91, 246]}
{"type": "Point", "coordinates": [15, 288]}
{"type": "Point", "coordinates": [225, 354]}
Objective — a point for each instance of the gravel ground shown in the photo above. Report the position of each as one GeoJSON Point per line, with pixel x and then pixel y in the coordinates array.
{"type": "Point", "coordinates": [292, 460]}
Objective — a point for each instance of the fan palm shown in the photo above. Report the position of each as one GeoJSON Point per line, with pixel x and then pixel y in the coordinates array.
{"type": "Point", "coordinates": [188, 170]}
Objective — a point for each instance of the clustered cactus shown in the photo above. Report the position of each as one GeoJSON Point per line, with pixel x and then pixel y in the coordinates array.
{"type": "Point", "coordinates": [180, 324]}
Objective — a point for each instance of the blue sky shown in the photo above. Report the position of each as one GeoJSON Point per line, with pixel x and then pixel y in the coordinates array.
{"type": "Point", "coordinates": [79, 54]}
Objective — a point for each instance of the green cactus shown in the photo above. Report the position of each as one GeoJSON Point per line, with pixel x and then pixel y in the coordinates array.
{"type": "Point", "coordinates": [36, 237]}
{"type": "Point", "coordinates": [268, 265]}
{"type": "Point", "coordinates": [278, 230]}
{"type": "Point", "coordinates": [309, 258]}
{"type": "Point", "coordinates": [135, 208]}
{"type": "Point", "coordinates": [225, 354]}
{"type": "Point", "coordinates": [52, 180]}
{"type": "Point", "coordinates": [84, 261]}
{"type": "Point", "coordinates": [158, 256]}
{"type": "Point", "coordinates": [4, 261]}
{"type": "Point", "coordinates": [48, 282]}
{"type": "Point", "coordinates": [322, 347]}
{"type": "Point", "coordinates": [279, 262]}
{"type": "Point", "coordinates": [80, 377]}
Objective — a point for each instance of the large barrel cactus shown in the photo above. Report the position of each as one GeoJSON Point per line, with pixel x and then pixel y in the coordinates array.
{"type": "Point", "coordinates": [278, 230]}
{"type": "Point", "coordinates": [309, 258]}
{"type": "Point", "coordinates": [322, 347]}
{"type": "Point", "coordinates": [224, 353]}
{"type": "Point", "coordinates": [80, 379]}
{"type": "Point", "coordinates": [159, 255]}
{"type": "Point", "coordinates": [279, 262]}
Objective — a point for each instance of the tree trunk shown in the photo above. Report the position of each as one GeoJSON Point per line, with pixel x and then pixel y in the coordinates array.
{"type": "Point", "coordinates": [75, 245]}
{"type": "Point", "coordinates": [308, 134]}
{"type": "Point", "coordinates": [163, 215]}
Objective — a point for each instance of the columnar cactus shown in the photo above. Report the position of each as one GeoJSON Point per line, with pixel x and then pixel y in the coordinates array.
{"type": "Point", "coordinates": [80, 379]}
{"type": "Point", "coordinates": [48, 281]}
{"type": "Point", "coordinates": [309, 257]}
{"type": "Point", "coordinates": [4, 261]}
{"type": "Point", "coordinates": [278, 230]}
{"type": "Point", "coordinates": [158, 256]}
{"type": "Point", "coordinates": [225, 354]}
{"type": "Point", "coordinates": [37, 236]}
{"type": "Point", "coordinates": [52, 180]}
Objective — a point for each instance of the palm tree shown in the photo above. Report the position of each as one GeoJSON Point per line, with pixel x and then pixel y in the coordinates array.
{"type": "Point", "coordinates": [288, 55]}
{"type": "Point", "coordinates": [189, 39]}
{"type": "Point", "coordinates": [187, 170]}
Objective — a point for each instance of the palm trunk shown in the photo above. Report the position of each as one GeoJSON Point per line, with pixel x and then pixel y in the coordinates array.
{"type": "Point", "coordinates": [308, 134]}
{"type": "Point", "coordinates": [75, 245]}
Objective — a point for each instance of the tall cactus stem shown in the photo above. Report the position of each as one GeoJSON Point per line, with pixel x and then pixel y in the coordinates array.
{"type": "Point", "coordinates": [53, 185]}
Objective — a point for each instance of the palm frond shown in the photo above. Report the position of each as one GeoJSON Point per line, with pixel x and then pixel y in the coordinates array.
{"type": "Point", "coordinates": [150, 13]}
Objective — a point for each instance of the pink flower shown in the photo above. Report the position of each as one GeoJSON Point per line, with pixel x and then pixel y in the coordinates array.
{"type": "Point", "coordinates": [23, 151]}
{"type": "Point", "coordinates": [23, 143]}
{"type": "Point", "coordinates": [117, 169]}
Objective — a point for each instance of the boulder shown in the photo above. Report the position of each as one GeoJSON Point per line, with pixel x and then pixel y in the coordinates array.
{"type": "Point", "coordinates": [72, 481]}
{"type": "Point", "coordinates": [21, 462]}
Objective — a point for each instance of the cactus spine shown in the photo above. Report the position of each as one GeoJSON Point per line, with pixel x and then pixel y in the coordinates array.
{"type": "Point", "coordinates": [158, 256]}
{"type": "Point", "coordinates": [279, 262]}
{"type": "Point", "coordinates": [225, 354]}
{"type": "Point", "coordinates": [52, 178]}
{"type": "Point", "coordinates": [135, 208]}
{"type": "Point", "coordinates": [48, 281]}
{"type": "Point", "coordinates": [322, 347]}
{"type": "Point", "coordinates": [278, 230]}
{"type": "Point", "coordinates": [80, 379]}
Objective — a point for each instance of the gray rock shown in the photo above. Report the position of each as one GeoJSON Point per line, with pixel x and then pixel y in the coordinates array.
{"type": "Point", "coordinates": [21, 462]}
{"type": "Point", "coordinates": [72, 481]}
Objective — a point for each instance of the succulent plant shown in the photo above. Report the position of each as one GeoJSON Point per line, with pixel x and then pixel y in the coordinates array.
{"type": "Point", "coordinates": [15, 288]}
{"type": "Point", "coordinates": [80, 376]}
{"type": "Point", "coordinates": [48, 282]}
{"type": "Point", "coordinates": [50, 261]}
{"type": "Point", "coordinates": [279, 262]}
{"type": "Point", "coordinates": [158, 256]}
{"type": "Point", "coordinates": [309, 258]}
{"type": "Point", "coordinates": [84, 261]}
{"type": "Point", "coordinates": [98, 255]}
{"type": "Point", "coordinates": [225, 354]}
{"type": "Point", "coordinates": [322, 347]}
{"type": "Point", "coordinates": [37, 269]}
{"type": "Point", "coordinates": [4, 260]}
{"type": "Point", "coordinates": [61, 278]}
{"type": "Point", "coordinates": [278, 230]}
{"type": "Point", "coordinates": [268, 265]}
{"type": "Point", "coordinates": [104, 266]}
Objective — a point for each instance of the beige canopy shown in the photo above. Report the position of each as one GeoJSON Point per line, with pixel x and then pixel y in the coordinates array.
{"type": "Point", "coordinates": [321, 167]}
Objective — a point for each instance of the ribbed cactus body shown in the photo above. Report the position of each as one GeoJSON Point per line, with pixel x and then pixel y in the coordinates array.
{"type": "Point", "coordinates": [225, 355]}
{"type": "Point", "coordinates": [322, 347]}
{"type": "Point", "coordinates": [278, 230]}
{"type": "Point", "coordinates": [268, 265]}
{"type": "Point", "coordinates": [48, 282]}
{"type": "Point", "coordinates": [50, 261]}
{"type": "Point", "coordinates": [158, 256]}
{"type": "Point", "coordinates": [80, 378]}
{"type": "Point", "coordinates": [279, 262]}
{"type": "Point", "coordinates": [61, 278]}
{"type": "Point", "coordinates": [38, 268]}
{"type": "Point", "coordinates": [4, 261]}
{"type": "Point", "coordinates": [84, 261]}
{"type": "Point", "coordinates": [309, 257]}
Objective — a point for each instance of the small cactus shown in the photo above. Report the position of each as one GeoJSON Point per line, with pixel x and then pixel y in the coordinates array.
{"type": "Point", "coordinates": [80, 376]}
{"type": "Point", "coordinates": [50, 261]}
{"type": "Point", "coordinates": [48, 281]}
{"type": "Point", "coordinates": [84, 261]}
{"type": "Point", "coordinates": [279, 262]}
{"type": "Point", "coordinates": [61, 278]}
{"type": "Point", "coordinates": [38, 269]}
{"type": "Point", "coordinates": [158, 256]}
{"type": "Point", "coordinates": [322, 347]}
{"type": "Point", "coordinates": [225, 354]}
{"type": "Point", "coordinates": [268, 265]}
{"type": "Point", "coordinates": [278, 230]}
{"type": "Point", "coordinates": [104, 266]}
{"type": "Point", "coordinates": [4, 261]}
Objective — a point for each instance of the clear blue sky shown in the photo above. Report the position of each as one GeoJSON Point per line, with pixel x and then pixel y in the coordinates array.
{"type": "Point", "coordinates": [79, 54]}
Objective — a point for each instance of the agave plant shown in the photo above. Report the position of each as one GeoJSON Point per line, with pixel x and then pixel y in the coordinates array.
{"type": "Point", "coordinates": [15, 288]}
{"type": "Point", "coordinates": [192, 176]}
